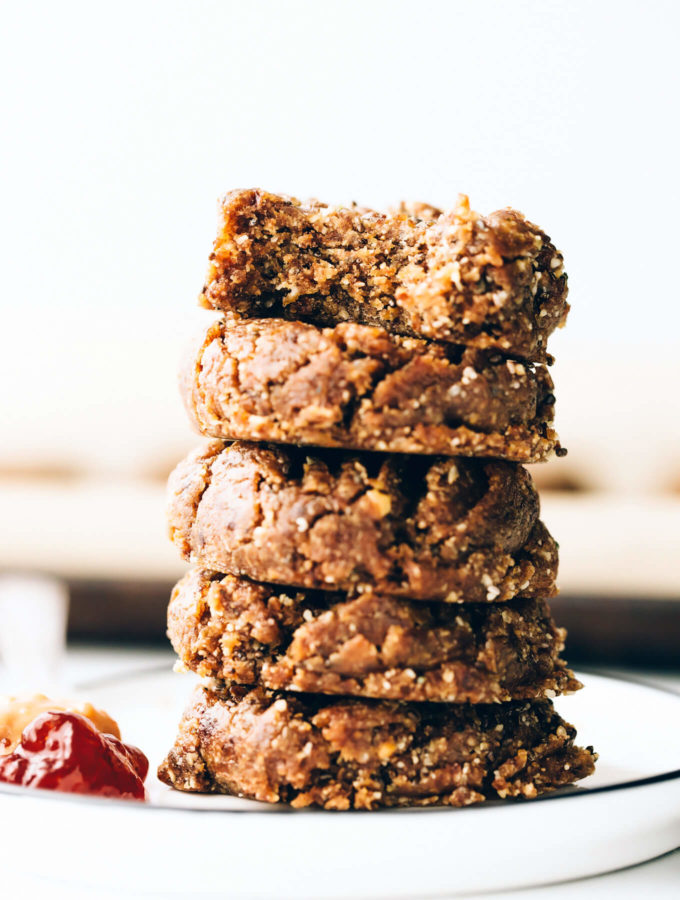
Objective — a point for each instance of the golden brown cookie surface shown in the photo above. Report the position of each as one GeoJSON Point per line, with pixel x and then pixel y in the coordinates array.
{"type": "Point", "coordinates": [360, 387]}
{"type": "Point", "coordinates": [492, 281]}
{"type": "Point", "coordinates": [426, 528]}
{"type": "Point", "coordinates": [244, 632]}
{"type": "Point", "coordinates": [364, 754]}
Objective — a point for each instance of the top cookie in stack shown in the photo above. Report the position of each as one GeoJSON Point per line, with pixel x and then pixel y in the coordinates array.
{"type": "Point", "coordinates": [489, 291]}
{"type": "Point", "coordinates": [374, 625]}
{"type": "Point", "coordinates": [494, 282]}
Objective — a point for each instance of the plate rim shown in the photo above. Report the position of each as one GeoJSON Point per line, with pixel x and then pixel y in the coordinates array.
{"type": "Point", "coordinates": [65, 796]}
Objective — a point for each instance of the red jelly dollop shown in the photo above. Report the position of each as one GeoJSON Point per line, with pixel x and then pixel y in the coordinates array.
{"type": "Point", "coordinates": [64, 751]}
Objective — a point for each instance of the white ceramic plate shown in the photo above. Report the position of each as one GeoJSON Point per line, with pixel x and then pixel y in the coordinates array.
{"type": "Point", "coordinates": [628, 812]}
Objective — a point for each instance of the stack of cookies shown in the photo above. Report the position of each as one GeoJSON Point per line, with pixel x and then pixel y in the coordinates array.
{"type": "Point", "coordinates": [368, 607]}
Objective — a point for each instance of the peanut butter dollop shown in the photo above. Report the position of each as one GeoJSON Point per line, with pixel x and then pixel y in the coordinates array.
{"type": "Point", "coordinates": [18, 712]}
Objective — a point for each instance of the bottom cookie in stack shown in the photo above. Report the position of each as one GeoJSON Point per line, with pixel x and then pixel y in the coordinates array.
{"type": "Point", "coordinates": [344, 753]}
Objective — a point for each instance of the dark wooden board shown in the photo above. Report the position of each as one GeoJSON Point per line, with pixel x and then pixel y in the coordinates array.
{"type": "Point", "coordinates": [606, 630]}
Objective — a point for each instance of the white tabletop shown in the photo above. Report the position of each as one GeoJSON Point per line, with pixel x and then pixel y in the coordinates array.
{"type": "Point", "coordinates": [659, 878]}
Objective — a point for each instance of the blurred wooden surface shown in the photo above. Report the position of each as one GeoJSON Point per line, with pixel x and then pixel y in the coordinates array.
{"type": "Point", "coordinates": [611, 544]}
{"type": "Point", "coordinates": [606, 630]}
{"type": "Point", "coordinates": [619, 560]}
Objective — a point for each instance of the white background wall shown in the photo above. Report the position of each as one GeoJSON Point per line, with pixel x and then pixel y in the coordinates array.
{"type": "Point", "coordinates": [122, 123]}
